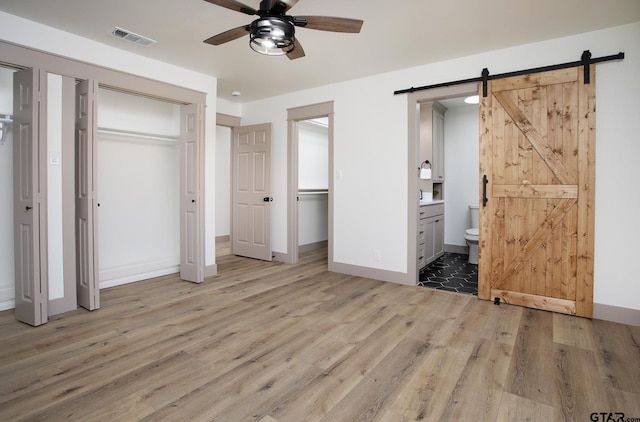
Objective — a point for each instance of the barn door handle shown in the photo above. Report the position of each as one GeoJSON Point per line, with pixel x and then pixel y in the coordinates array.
{"type": "Point", "coordinates": [484, 190]}
{"type": "Point", "coordinates": [27, 208]}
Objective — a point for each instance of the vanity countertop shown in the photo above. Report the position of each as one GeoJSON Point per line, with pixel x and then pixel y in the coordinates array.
{"type": "Point", "coordinates": [437, 201]}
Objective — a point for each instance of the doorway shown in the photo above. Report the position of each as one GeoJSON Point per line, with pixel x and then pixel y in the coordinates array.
{"type": "Point", "coordinates": [313, 184]}
{"type": "Point", "coordinates": [139, 223]}
{"type": "Point", "coordinates": [296, 117]}
{"type": "Point", "coordinates": [414, 101]}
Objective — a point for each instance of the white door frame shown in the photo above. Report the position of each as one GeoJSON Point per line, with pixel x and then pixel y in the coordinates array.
{"type": "Point", "coordinates": [295, 115]}
{"type": "Point", "coordinates": [413, 101]}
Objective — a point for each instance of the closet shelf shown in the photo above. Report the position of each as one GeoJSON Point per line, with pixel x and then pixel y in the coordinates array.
{"type": "Point", "coordinates": [313, 191]}
{"type": "Point", "coordinates": [139, 135]}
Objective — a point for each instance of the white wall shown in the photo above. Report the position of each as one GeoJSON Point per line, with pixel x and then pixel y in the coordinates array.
{"type": "Point", "coordinates": [223, 181]}
{"type": "Point", "coordinates": [370, 137]}
{"type": "Point", "coordinates": [7, 290]}
{"type": "Point", "coordinates": [313, 156]}
{"type": "Point", "coordinates": [461, 162]}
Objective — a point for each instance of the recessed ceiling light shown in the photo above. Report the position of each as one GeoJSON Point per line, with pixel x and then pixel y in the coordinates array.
{"type": "Point", "coordinates": [474, 99]}
{"type": "Point", "coordinates": [235, 93]}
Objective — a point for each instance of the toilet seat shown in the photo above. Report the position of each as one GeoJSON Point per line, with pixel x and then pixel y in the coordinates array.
{"type": "Point", "coordinates": [472, 235]}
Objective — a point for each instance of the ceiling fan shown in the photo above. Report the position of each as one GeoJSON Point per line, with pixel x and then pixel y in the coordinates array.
{"type": "Point", "coordinates": [273, 32]}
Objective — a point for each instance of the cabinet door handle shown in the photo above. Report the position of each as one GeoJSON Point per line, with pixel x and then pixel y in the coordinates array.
{"type": "Point", "coordinates": [484, 190]}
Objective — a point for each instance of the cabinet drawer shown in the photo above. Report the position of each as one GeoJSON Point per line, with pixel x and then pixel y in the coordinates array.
{"type": "Point", "coordinates": [427, 211]}
{"type": "Point", "coordinates": [422, 232]}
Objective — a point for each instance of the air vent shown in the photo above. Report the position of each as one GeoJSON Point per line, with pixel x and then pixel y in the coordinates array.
{"type": "Point", "coordinates": [132, 37]}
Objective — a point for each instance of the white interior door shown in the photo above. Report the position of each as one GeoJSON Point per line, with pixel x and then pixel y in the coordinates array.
{"type": "Point", "coordinates": [86, 196]}
{"type": "Point", "coordinates": [251, 192]}
{"type": "Point", "coordinates": [29, 201]}
{"type": "Point", "coordinates": [191, 207]}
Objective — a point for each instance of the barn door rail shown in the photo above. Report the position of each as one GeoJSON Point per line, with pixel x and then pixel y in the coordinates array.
{"type": "Point", "coordinates": [585, 60]}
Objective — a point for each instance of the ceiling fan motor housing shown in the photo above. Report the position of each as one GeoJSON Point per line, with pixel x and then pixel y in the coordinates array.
{"type": "Point", "coordinates": [272, 35]}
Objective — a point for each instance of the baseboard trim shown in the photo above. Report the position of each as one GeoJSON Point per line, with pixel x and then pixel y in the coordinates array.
{"type": "Point", "coordinates": [5, 305]}
{"type": "Point", "coordinates": [225, 238]}
{"type": "Point", "coordinates": [139, 277]}
{"type": "Point", "coordinates": [313, 246]}
{"type": "Point", "coordinates": [616, 314]}
{"type": "Point", "coordinates": [373, 273]}
{"type": "Point", "coordinates": [210, 270]}
{"type": "Point", "coordinates": [281, 257]}
{"type": "Point", "coordinates": [457, 249]}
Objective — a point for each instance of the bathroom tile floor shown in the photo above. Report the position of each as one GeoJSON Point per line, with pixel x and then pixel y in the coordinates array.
{"type": "Point", "coordinates": [451, 272]}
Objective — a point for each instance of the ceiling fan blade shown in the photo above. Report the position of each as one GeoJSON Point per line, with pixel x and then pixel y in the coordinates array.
{"type": "Point", "coordinates": [288, 3]}
{"type": "Point", "coordinates": [227, 36]}
{"type": "Point", "coordinates": [297, 51]}
{"type": "Point", "coordinates": [327, 23]}
{"type": "Point", "coordinates": [234, 5]}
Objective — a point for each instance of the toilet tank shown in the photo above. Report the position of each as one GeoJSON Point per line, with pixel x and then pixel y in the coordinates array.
{"type": "Point", "coordinates": [475, 216]}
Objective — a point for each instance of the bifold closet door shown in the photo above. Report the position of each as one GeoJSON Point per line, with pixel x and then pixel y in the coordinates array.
{"type": "Point", "coordinates": [30, 213]}
{"type": "Point", "coordinates": [86, 195]}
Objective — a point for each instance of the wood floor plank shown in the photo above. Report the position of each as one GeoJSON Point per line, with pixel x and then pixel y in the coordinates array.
{"type": "Point", "coordinates": [578, 392]}
{"type": "Point", "coordinates": [373, 396]}
{"type": "Point", "coordinates": [479, 389]}
{"type": "Point", "coordinates": [572, 331]}
{"type": "Point", "coordinates": [618, 343]}
{"type": "Point", "coordinates": [427, 393]}
{"type": "Point", "coordinates": [516, 408]}
{"type": "Point", "coordinates": [532, 368]}
{"type": "Point", "coordinates": [328, 389]}
{"type": "Point", "coordinates": [274, 342]}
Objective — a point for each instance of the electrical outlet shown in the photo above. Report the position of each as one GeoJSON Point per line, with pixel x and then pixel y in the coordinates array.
{"type": "Point", "coordinates": [377, 255]}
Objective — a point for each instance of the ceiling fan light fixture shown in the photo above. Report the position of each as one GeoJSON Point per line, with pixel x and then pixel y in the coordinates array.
{"type": "Point", "coordinates": [272, 36]}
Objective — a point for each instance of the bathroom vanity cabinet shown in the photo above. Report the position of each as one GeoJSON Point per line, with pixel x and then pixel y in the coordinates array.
{"type": "Point", "coordinates": [432, 137]}
{"type": "Point", "coordinates": [430, 233]}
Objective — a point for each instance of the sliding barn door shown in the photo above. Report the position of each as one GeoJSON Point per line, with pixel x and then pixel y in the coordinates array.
{"type": "Point", "coordinates": [86, 195]}
{"type": "Point", "coordinates": [251, 192]}
{"type": "Point", "coordinates": [537, 153]}
{"type": "Point", "coordinates": [191, 210]}
{"type": "Point", "coordinates": [30, 213]}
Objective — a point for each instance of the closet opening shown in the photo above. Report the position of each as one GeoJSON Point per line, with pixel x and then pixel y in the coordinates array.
{"type": "Point", "coordinates": [138, 169]}
{"type": "Point", "coordinates": [310, 185]}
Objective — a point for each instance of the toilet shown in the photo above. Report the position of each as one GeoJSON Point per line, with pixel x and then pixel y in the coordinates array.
{"type": "Point", "coordinates": [472, 234]}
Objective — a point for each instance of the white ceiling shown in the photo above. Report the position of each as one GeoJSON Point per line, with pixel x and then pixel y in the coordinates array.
{"type": "Point", "coordinates": [395, 35]}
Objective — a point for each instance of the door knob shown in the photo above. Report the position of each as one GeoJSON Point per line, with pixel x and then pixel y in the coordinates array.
{"type": "Point", "coordinates": [27, 208]}
{"type": "Point", "coordinates": [267, 199]}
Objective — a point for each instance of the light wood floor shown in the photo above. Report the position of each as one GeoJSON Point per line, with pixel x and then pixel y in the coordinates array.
{"type": "Point", "coordinates": [274, 342]}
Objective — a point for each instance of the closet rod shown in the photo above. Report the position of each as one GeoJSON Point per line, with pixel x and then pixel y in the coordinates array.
{"type": "Point", "coordinates": [313, 191]}
{"type": "Point", "coordinates": [140, 135]}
